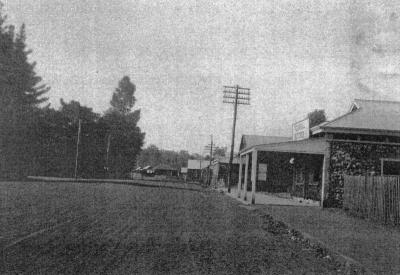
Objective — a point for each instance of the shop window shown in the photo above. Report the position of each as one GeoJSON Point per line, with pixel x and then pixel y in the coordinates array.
{"type": "Point", "coordinates": [390, 167]}
{"type": "Point", "coordinates": [316, 175]}
{"type": "Point", "coordinates": [299, 175]}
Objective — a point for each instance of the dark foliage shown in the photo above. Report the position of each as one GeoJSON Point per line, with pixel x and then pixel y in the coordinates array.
{"type": "Point", "coordinates": [123, 98]}
{"type": "Point", "coordinates": [317, 117]}
{"type": "Point", "coordinates": [37, 140]}
{"type": "Point", "coordinates": [126, 138]}
{"type": "Point", "coordinates": [154, 156]}
{"type": "Point", "coordinates": [126, 141]}
{"type": "Point", "coordinates": [20, 97]}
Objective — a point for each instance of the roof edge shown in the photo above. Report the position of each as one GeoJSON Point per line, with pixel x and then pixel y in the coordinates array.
{"type": "Point", "coordinates": [338, 118]}
{"type": "Point", "coordinates": [378, 100]}
{"type": "Point", "coordinates": [364, 130]}
{"type": "Point", "coordinates": [279, 143]}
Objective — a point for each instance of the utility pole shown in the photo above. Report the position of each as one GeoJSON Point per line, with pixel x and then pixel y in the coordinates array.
{"type": "Point", "coordinates": [107, 155]}
{"type": "Point", "coordinates": [210, 147]}
{"type": "Point", "coordinates": [235, 95]}
{"type": "Point", "coordinates": [77, 148]}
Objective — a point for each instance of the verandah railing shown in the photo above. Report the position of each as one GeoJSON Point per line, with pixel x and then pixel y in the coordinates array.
{"type": "Point", "coordinates": [373, 197]}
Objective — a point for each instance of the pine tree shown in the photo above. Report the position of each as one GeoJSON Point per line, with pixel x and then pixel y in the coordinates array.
{"type": "Point", "coordinates": [26, 80]}
{"type": "Point", "coordinates": [20, 96]}
{"type": "Point", "coordinates": [126, 137]}
{"type": "Point", "coordinates": [123, 98]}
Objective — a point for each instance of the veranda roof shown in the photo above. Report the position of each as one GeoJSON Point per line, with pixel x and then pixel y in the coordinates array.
{"type": "Point", "coordinates": [316, 146]}
{"type": "Point", "coordinates": [249, 141]}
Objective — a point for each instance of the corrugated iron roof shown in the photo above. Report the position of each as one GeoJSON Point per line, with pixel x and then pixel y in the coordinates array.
{"type": "Point", "coordinates": [235, 160]}
{"type": "Point", "coordinates": [249, 141]}
{"type": "Point", "coordinates": [196, 164]}
{"type": "Point", "coordinates": [371, 115]}
{"type": "Point", "coordinates": [164, 167]}
{"type": "Point", "coordinates": [306, 146]}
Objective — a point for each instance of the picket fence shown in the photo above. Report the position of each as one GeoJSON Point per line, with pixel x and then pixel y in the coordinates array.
{"type": "Point", "coordinates": [373, 197]}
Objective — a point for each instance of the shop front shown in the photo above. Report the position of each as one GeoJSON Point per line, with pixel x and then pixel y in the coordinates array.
{"type": "Point", "coordinates": [312, 165]}
{"type": "Point", "coordinates": [295, 168]}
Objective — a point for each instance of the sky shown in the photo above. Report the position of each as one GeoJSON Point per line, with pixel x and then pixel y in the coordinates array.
{"type": "Point", "coordinates": [295, 56]}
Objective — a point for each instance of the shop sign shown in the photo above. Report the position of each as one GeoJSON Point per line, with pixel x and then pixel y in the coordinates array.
{"type": "Point", "coordinates": [301, 129]}
{"type": "Point", "coordinates": [262, 171]}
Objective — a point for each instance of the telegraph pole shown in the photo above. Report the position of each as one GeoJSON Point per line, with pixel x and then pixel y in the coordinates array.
{"type": "Point", "coordinates": [77, 149]}
{"type": "Point", "coordinates": [107, 155]}
{"type": "Point", "coordinates": [235, 95]}
{"type": "Point", "coordinates": [210, 146]}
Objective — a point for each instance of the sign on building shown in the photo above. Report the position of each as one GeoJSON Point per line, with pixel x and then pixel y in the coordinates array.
{"type": "Point", "coordinates": [262, 171]}
{"type": "Point", "coordinates": [301, 129]}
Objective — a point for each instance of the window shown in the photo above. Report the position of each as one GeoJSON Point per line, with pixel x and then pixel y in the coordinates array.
{"type": "Point", "coordinates": [390, 167]}
{"type": "Point", "coordinates": [299, 175]}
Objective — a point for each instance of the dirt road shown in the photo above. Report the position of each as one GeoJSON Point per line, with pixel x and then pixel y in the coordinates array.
{"type": "Point", "coordinates": [121, 229]}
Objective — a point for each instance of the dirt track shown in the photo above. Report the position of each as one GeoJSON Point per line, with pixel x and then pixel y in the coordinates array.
{"type": "Point", "coordinates": [122, 229]}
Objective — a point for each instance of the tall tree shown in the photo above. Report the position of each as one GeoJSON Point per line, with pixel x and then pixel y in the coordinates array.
{"type": "Point", "coordinates": [123, 98]}
{"type": "Point", "coordinates": [91, 157]}
{"type": "Point", "coordinates": [20, 95]}
{"type": "Point", "coordinates": [75, 111]}
{"type": "Point", "coordinates": [126, 138]}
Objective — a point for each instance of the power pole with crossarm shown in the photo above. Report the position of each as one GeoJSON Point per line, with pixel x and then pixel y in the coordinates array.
{"type": "Point", "coordinates": [235, 95]}
{"type": "Point", "coordinates": [210, 148]}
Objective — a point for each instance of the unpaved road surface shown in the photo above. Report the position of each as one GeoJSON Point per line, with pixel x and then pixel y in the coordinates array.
{"type": "Point", "coordinates": [89, 228]}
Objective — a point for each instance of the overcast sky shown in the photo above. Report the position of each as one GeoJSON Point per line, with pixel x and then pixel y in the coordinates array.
{"type": "Point", "coordinates": [295, 56]}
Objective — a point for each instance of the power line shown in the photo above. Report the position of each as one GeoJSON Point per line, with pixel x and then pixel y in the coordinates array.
{"type": "Point", "coordinates": [237, 96]}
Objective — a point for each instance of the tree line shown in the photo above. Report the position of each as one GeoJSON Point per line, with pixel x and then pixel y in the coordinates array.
{"type": "Point", "coordinates": [153, 156]}
{"type": "Point", "coordinates": [37, 139]}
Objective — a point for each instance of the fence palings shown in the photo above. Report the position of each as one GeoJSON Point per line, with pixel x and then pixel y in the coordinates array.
{"type": "Point", "coordinates": [373, 197]}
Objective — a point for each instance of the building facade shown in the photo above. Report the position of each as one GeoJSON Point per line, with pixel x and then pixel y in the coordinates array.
{"type": "Point", "coordinates": [195, 169]}
{"type": "Point", "coordinates": [220, 171]}
{"type": "Point", "coordinates": [364, 141]}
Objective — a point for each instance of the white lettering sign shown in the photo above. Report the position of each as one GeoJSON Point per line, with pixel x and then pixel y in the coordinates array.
{"type": "Point", "coordinates": [301, 129]}
{"type": "Point", "coordinates": [262, 171]}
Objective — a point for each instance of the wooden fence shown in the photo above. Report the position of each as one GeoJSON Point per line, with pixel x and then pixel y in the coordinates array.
{"type": "Point", "coordinates": [373, 197]}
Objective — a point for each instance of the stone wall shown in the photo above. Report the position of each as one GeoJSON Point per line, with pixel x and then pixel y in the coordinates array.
{"type": "Point", "coordinates": [354, 159]}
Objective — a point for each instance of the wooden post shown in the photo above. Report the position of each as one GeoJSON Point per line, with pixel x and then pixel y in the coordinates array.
{"type": "Point", "coordinates": [240, 176]}
{"type": "Point", "coordinates": [77, 149]}
{"type": "Point", "coordinates": [246, 173]}
{"type": "Point", "coordinates": [233, 139]}
{"type": "Point", "coordinates": [325, 178]}
{"type": "Point", "coordinates": [254, 165]}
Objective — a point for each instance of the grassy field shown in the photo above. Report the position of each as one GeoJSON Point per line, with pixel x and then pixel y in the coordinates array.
{"type": "Point", "coordinates": [94, 228]}
{"type": "Point", "coordinates": [375, 246]}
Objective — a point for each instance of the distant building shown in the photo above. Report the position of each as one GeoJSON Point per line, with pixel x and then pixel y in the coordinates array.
{"type": "Point", "coordinates": [165, 170]}
{"type": "Point", "coordinates": [220, 171]}
{"type": "Point", "coordinates": [142, 171]}
{"type": "Point", "coordinates": [183, 173]}
{"type": "Point", "coordinates": [184, 170]}
{"type": "Point", "coordinates": [194, 169]}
